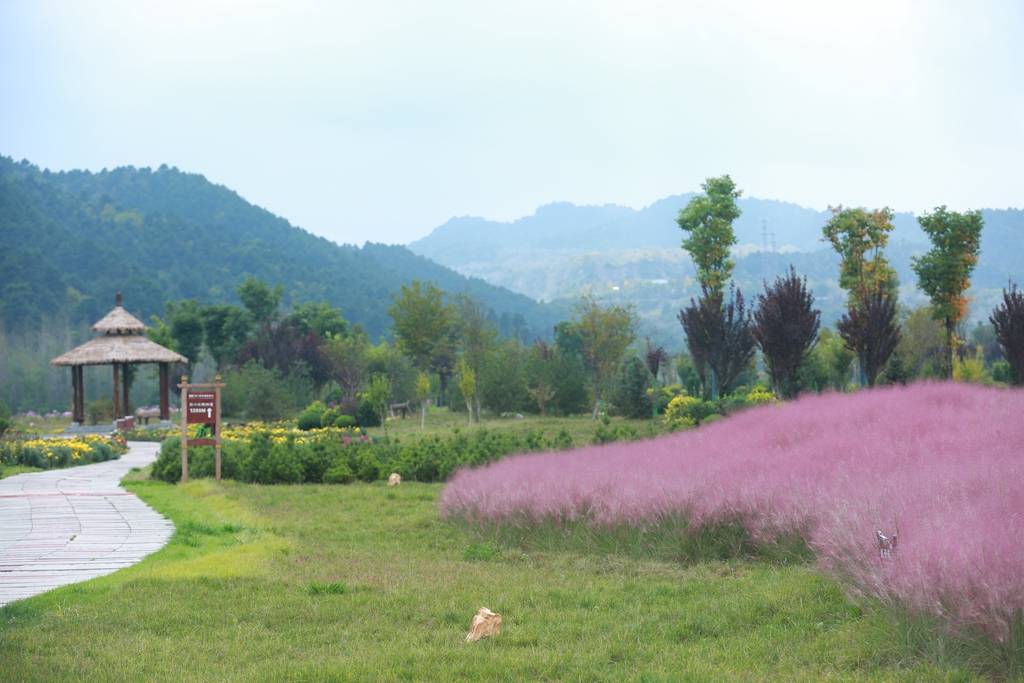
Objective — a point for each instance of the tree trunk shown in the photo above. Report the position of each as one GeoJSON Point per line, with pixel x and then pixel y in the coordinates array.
{"type": "Point", "coordinates": [423, 414]}
{"type": "Point", "coordinates": [714, 384]}
{"type": "Point", "coordinates": [476, 396]}
{"type": "Point", "coordinates": [442, 388]}
{"type": "Point", "coordinates": [949, 349]}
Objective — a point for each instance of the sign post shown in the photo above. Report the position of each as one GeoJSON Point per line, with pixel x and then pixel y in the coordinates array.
{"type": "Point", "coordinates": [200, 405]}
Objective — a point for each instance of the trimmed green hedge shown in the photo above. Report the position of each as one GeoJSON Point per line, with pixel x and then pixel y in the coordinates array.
{"type": "Point", "coordinates": [338, 460]}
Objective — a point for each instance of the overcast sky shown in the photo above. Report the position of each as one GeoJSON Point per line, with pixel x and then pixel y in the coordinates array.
{"type": "Point", "coordinates": [379, 121]}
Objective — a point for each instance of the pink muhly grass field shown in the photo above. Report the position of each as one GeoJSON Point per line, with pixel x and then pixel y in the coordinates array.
{"type": "Point", "coordinates": [944, 462]}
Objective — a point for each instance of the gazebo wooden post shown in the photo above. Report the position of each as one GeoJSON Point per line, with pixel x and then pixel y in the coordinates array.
{"type": "Point", "coordinates": [165, 407]}
{"type": "Point", "coordinates": [79, 414]}
{"type": "Point", "coordinates": [126, 406]}
{"type": "Point", "coordinates": [74, 393]}
{"type": "Point", "coordinates": [117, 394]}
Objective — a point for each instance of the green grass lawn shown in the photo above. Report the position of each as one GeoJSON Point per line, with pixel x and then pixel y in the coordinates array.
{"type": "Point", "coordinates": [363, 582]}
{"type": "Point", "coordinates": [442, 421]}
{"type": "Point", "coordinates": [11, 470]}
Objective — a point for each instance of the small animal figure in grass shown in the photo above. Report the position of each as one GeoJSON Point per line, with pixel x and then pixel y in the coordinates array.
{"type": "Point", "coordinates": [395, 479]}
{"type": "Point", "coordinates": [887, 544]}
{"type": "Point", "coordinates": [485, 623]}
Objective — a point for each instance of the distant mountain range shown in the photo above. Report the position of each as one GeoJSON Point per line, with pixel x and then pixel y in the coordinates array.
{"type": "Point", "coordinates": [70, 240]}
{"type": "Point", "coordinates": [634, 256]}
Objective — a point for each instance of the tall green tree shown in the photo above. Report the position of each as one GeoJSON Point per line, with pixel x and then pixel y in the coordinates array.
{"type": "Point", "coordinates": [185, 320]}
{"type": "Point", "coordinates": [605, 333]}
{"type": "Point", "coordinates": [859, 237]}
{"type": "Point", "coordinates": [262, 302]}
{"type": "Point", "coordinates": [319, 317]}
{"type": "Point", "coordinates": [420, 320]}
{"type": "Point", "coordinates": [944, 273]}
{"type": "Point", "coordinates": [707, 221]}
{"type": "Point", "coordinates": [423, 323]}
{"type": "Point", "coordinates": [478, 337]}
{"type": "Point", "coordinates": [349, 361]}
{"type": "Point", "coordinates": [225, 330]}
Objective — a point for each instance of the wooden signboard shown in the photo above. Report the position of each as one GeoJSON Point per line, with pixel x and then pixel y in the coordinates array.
{"type": "Point", "coordinates": [200, 405]}
{"type": "Point", "coordinates": [202, 408]}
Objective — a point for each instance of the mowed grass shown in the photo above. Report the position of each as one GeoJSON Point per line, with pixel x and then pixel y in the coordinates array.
{"type": "Point", "coordinates": [442, 421]}
{"type": "Point", "coordinates": [363, 582]}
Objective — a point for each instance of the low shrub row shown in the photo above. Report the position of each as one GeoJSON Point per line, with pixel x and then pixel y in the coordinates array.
{"type": "Point", "coordinates": [680, 410]}
{"type": "Point", "coordinates": [330, 457]}
{"type": "Point", "coordinates": [61, 452]}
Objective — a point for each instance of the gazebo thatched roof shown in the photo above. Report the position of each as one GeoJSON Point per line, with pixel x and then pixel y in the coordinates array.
{"type": "Point", "coordinates": [129, 348]}
{"type": "Point", "coordinates": [119, 321]}
{"type": "Point", "coordinates": [121, 340]}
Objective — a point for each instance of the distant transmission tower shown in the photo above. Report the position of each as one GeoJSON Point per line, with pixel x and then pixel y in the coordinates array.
{"type": "Point", "coordinates": [764, 250]}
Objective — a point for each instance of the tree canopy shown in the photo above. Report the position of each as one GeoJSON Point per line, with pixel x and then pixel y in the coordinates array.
{"type": "Point", "coordinates": [859, 236]}
{"type": "Point", "coordinates": [944, 273]}
{"type": "Point", "coordinates": [707, 220]}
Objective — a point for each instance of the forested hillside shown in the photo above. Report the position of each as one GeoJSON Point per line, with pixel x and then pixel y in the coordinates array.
{"type": "Point", "coordinates": [72, 239]}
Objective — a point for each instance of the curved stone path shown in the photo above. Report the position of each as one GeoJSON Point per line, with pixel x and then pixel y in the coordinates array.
{"type": "Point", "coordinates": [63, 526]}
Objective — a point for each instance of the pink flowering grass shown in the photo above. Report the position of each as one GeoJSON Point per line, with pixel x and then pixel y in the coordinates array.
{"type": "Point", "coordinates": [943, 462]}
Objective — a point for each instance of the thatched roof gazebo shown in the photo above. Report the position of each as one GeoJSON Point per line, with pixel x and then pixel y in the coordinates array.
{"type": "Point", "coordinates": [121, 342]}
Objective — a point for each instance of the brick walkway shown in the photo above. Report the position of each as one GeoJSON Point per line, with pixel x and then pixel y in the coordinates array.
{"type": "Point", "coordinates": [63, 526]}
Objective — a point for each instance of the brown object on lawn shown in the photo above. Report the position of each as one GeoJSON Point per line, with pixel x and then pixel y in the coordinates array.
{"type": "Point", "coordinates": [395, 479]}
{"type": "Point", "coordinates": [121, 342]}
{"type": "Point", "coordinates": [485, 623]}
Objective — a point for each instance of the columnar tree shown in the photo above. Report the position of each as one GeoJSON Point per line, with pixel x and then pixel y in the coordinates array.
{"type": "Point", "coordinates": [786, 327]}
{"type": "Point", "coordinates": [944, 273]}
{"type": "Point", "coordinates": [605, 334]}
{"type": "Point", "coordinates": [872, 332]}
{"type": "Point", "coordinates": [859, 236]}
{"type": "Point", "coordinates": [707, 220]}
{"type": "Point", "coordinates": [1008, 319]}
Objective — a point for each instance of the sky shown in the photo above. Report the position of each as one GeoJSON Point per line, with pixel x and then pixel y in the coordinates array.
{"type": "Point", "coordinates": [378, 121]}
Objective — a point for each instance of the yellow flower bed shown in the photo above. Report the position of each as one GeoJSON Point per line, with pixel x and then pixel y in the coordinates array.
{"type": "Point", "coordinates": [61, 452]}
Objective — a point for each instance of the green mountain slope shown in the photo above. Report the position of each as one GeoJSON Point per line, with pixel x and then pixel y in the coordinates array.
{"type": "Point", "coordinates": [71, 239]}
